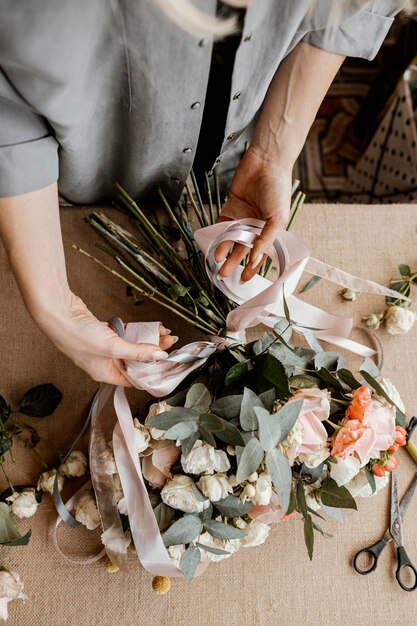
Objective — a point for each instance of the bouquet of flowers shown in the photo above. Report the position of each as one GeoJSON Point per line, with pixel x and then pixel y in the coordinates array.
{"type": "Point", "coordinates": [260, 432]}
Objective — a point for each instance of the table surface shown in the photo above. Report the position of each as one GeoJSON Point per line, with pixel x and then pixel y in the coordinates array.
{"type": "Point", "coordinates": [274, 583]}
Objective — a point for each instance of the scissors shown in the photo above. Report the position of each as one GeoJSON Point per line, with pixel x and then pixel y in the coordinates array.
{"type": "Point", "coordinates": [394, 533]}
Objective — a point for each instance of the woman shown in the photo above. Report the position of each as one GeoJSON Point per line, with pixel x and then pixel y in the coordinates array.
{"type": "Point", "coordinates": [115, 90]}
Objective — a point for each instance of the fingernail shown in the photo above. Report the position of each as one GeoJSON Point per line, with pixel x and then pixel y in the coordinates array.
{"type": "Point", "coordinates": [158, 355]}
{"type": "Point", "coordinates": [257, 261]}
{"type": "Point", "coordinates": [242, 282]}
{"type": "Point", "coordinates": [168, 331]}
{"type": "Point", "coordinates": [174, 338]}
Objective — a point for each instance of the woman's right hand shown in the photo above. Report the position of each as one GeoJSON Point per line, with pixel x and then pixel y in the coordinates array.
{"type": "Point", "coordinates": [96, 348]}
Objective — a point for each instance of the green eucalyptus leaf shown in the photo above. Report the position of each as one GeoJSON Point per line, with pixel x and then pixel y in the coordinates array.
{"type": "Point", "coordinates": [268, 399]}
{"type": "Point", "coordinates": [247, 417]}
{"type": "Point", "coordinates": [211, 550]}
{"type": "Point", "coordinates": [334, 513]}
{"type": "Point", "coordinates": [263, 343]}
{"type": "Point", "coordinates": [230, 434]}
{"type": "Point", "coordinates": [309, 535]}
{"type": "Point", "coordinates": [40, 401]}
{"type": "Point", "coordinates": [223, 531]}
{"type": "Point", "coordinates": [331, 361]}
{"type": "Point", "coordinates": [250, 459]}
{"type": "Point", "coordinates": [187, 444]}
{"type": "Point", "coordinates": [198, 493]}
{"type": "Point", "coordinates": [231, 506]}
{"type": "Point", "coordinates": [333, 495]}
{"type": "Point", "coordinates": [184, 530]}
{"type": "Point", "coordinates": [9, 535]}
{"type": "Point", "coordinates": [281, 475]}
{"type": "Point", "coordinates": [21, 541]}
{"type": "Point", "coordinates": [198, 398]}
{"type": "Point", "coordinates": [177, 399]}
{"type": "Point", "coordinates": [371, 368]}
{"type": "Point", "coordinates": [181, 431]}
{"type": "Point", "coordinates": [269, 428]}
{"type": "Point", "coordinates": [207, 513]}
{"type": "Point", "coordinates": [206, 436]}
{"type": "Point", "coordinates": [283, 330]}
{"type": "Point", "coordinates": [236, 372]}
{"type": "Point", "coordinates": [5, 444]}
{"type": "Point", "coordinates": [168, 419]}
{"type": "Point", "coordinates": [189, 561]}
{"type": "Point", "coordinates": [164, 515]}
{"type": "Point", "coordinates": [228, 406]}
{"type": "Point", "coordinates": [4, 409]}
{"type": "Point", "coordinates": [405, 270]}
{"type": "Point", "coordinates": [348, 378]}
{"type": "Point", "coordinates": [313, 473]}
{"type": "Point", "coordinates": [211, 422]}
{"type": "Point", "coordinates": [287, 416]}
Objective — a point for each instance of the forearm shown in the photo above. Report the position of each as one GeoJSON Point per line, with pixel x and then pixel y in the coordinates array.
{"type": "Point", "coordinates": [293, 99]}
{"type": "Point", "coordinates": [31, 234]}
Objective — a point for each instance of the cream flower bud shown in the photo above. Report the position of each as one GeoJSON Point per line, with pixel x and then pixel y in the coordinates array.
{"type": "Point", "coordinates": [231, 450]}
{"type": "Point", "coordinates": [349, 294]}
{"type": "Point", "coordinates": [373, 321]}
{"type": "Point", "coordinates": [399, 320]}
{"type": "Point", "coordinates": [215, 487]}
{"type": "Point", "coordinates": [75, 465]}
{"type": "Point", "coordinates": [263, 490]}
{"type": "Point", "coordinates": [142, 436]}
{"type": "Point", "coordinates": [47, 479]}
{"type": "Point", "coordinates": [86, 511]}
{"type": "Point", "coordinates": [249, 491]}
{"type": "Point", "coordinates": [179, 494]}
{"type": "Point", "coordinates": [11, 588]}
{"type": "Point", "coordinates": [23, 503]}
{"type": "Point", "coordinates": [253, 477]}
{"type": "Point", "coordinates": [239, 523]}
{"type": "Point", "coordinates": [176, 552]}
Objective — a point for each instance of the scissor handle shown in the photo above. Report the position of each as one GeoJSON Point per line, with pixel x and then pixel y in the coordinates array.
{"type": "Point", "coordinates": [403, 564]}
{"type": "Point", "coordinates": [374, 552]}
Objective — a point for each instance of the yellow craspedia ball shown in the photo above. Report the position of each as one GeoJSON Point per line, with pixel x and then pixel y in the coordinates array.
{"type": "Point", "coordinates": [111, 567]}
{"type": "Point", "coordinates": [161, 584]}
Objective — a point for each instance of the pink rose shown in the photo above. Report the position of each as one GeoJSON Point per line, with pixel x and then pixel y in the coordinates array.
{"type": "Point", "coordinates": [157, 461]}
{"type": "Point", "coordinates": [307, 442]}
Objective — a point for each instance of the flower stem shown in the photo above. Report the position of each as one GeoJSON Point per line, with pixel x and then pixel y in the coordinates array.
{"type": "Point", "coordinates": [412, 450]}
{"type": "Point", "coordinates": [335, 426]}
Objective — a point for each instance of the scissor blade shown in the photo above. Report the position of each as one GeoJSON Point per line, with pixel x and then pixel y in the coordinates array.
{"type": "Point", "coordinates": [396, 529]}
{"type": "Point", "coordinates": [407, 497]}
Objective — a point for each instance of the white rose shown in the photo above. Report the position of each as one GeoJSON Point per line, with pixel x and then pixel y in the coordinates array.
{"type": "Point", "coordinates": [176, 552]}
{"type": "Point", "coordinates": [204, 459]}
{"type": "Point", "coordinates": [116, 540]}
{"type": "Point", "coordinates": [399, 320]}
{"type": "Point", "coordinates": [108, 461]}
{"type": "Point", "coordinates": [23, 504]}
{"type": "Point", "coordinates": [75, 465]}
{"type": "Point", "coordinates": [391, 391]}
{"type": "Point", "coordinates": [86, 511]}
{"type": "Point", "coordinates": [11, 588]}
{"type": "Point", "coordinates": [263, 490]}
{"type": "Point", "coordinates": [343, 470]}
{"type": "Point", "coordinates": [230, 546]}
{"type": "Point", "coordinates": [359, 486]}
{"type": "Point", "coordinates": [47, 479]}
{"type": "Point", "coordinates": [257, 532]}
{"type": "Point", "coordinates": [316, 458]}
{"type": "Point", "coordinates": [179, 494]}
{"type": "Point", "coordinates": [215, 487]}
{"type": "Point", "coordinates": [156, 409]}
{"type": "Point", "coordinates": [142, 436]}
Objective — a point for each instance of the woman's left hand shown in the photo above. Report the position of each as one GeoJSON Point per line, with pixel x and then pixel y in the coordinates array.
{"type": "Point", "coordinates": [261, 189]}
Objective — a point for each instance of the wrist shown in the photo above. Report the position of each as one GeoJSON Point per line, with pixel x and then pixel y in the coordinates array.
{"type": "Point", "coordinates": [44, 308]}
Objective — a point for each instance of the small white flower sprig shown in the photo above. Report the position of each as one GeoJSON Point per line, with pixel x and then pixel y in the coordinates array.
{"type": "Point", "coordinates": [397, 316]}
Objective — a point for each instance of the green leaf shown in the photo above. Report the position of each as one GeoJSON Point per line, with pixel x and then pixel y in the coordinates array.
{"type": "Point", "coordinates": [187, 444]}
{"type": "Point", "coordinates": [321, 531]}
{"type": "Point", "coordinates": [250, 460]}
{"type": "Point", "coordinates": [227, 407]}
{"type": "Point", "coordinates": [371, 479]}
{"type": "Point", "coordinates": [40, 401]}
{"type": "Point", "coordinates": [211, 422]}
{"type": "Point", "coordinates": [184, 530]}
{"type": "Point", "coordinates": [293, 502]}
{"type": "Point", "coordinates": [288, 358]}
{"type": "Point", "coordinates": [313, 281]}
{"type": "Point", "coordinates": [283, 331]}
{"type": "Point", "coordinates": [334, 513]}
{"type": "Point", "coordinates": [182, 430]}
{"type": "Point", "coordinates": [329, 360]}
{"type": "Point", "coordinates": [370, 367]}
{"type": "Point", "coordinates": [348, 378]}
{"type": "Point", "coordinates": [177, 399]}
{"type": "Point", "coordinates": [273, 429]}
{"type": "Point", "coordinates": [223, 531]}
{"type": "Point", "coordinates": [333, 495]}
{"type": "Point", "coordinates": [404, 269]}
{"type": "Point", "coordinates": [248, 419]}
{"type": "Point", "coordinates": [9, 535]}
{"type": "Point", "coordinates": [281, 474]}
{"type": "Point", "coordinates": [189, 561]}
{"type": "Point", "coordinates": [198, 398]}
{"type": "Point", "coordinates": [331, 379]}
{"type": "Point", "coordinates": [222, 429]}
{"type": "Point", "coordinates": [263, 343]}
{"type": "Point", "coordinates": [198, 493]}
{"type": "Point", "coordinates": [164, 515]}
{"type": "Point", "coordinates": [274, 372]}
{"type": "Point", "coordinates": [4, 409]}
{"type": "Point", "coordinates": [5, 444]}
{"type": "Point", "coordinates": [287, 416]}
{"type": "Point", "coordinates": [236, 372]}
{"type": "Point", "coordinates": [207, 513]}
{"type": "Point", "coordinates": [313, 473]}
{"type": "Point", "coordinates": [381, 392]}
{"type": "Point", "coordinates": [286, 309]}
{"type": "Point", "coordinates": [268, 399]}
{"type": "Point", "coordinates": [301, 499]}
{"type": "Point", "coordinates": [178, 291]}
{"type": "Point", "coordinates": [210, 549]}
{"type": "Point", "coordinates": [168, 419]}
{"type": "Point", "coordinates": [206, 436]}
{"type": "Point", "coordinates": [309, 535]}
{"type": "Point", "coordinates": [231, 506]}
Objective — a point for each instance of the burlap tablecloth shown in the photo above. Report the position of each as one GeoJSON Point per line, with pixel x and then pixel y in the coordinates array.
{"type": "Point", "coordinates": [268, 585]}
